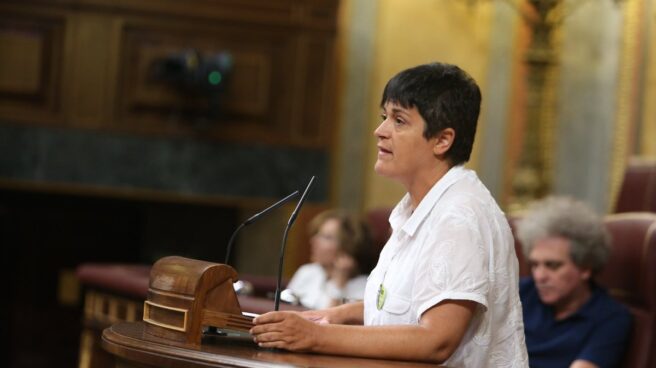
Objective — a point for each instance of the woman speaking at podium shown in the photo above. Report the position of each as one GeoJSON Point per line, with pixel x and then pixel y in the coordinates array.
{"type": "Point", "coordinates": [445, 288]}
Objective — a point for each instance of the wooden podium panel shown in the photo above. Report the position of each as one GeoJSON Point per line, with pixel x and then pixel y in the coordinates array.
{"type": "Point", "coordinates": [127, 341]}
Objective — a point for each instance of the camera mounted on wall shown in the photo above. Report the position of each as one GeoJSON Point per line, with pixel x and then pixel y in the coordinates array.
{"type": "Point", "coordinates": [196, 75]}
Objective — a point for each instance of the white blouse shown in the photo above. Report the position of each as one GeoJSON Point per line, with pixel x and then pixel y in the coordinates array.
{"type": "Point", "coordinates": [456, 245]}
{"type": "Point", "coordinates": [310, 284]}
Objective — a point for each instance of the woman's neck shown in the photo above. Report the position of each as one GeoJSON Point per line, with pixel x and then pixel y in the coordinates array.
{"type": "Point", "coordinates": [421, 185]}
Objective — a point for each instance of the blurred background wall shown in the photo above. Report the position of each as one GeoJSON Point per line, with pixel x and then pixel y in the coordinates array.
{"type": "Point", "coordinates": [134, 130]}
{"type": "Point", "coordinates": [598, 86]}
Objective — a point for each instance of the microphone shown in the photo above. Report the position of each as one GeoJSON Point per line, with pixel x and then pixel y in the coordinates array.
{"type": "Point", "coordinates": [292, 218]}
{"type": "Point", "coordinates": [253, 219]}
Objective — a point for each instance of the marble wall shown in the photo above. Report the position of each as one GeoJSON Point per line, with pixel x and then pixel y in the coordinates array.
{"type": "Point", "coordinates": [178, 166]}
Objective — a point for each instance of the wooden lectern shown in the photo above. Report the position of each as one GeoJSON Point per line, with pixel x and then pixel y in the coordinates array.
{"type": "Point", "coordinates": [187, 295]}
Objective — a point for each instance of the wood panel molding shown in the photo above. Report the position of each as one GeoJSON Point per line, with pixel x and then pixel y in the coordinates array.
{"type": "Point", "coordinates": [30, 67]}
{"type": "Point", "coordinates": [311, 14]}
{"type": "Point", "coordinates": [252, 102]}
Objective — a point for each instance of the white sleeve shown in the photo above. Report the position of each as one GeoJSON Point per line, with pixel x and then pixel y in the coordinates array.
{"type": "Point", "coordinates": [454, 265]}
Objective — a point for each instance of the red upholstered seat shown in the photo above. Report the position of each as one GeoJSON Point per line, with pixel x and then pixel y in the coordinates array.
{"type": "Point", "coordinates": [378, 221]}
{"type": "Point", "coordinates": [630, 277]}
{"type": "Point", "coordinates": [638, 190]}
{"type": "Point", "coordinates": [129, 280]}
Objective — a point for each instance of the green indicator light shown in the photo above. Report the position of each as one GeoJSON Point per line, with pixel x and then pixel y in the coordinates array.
{"type": "Point", "coordinates": [214, 77]}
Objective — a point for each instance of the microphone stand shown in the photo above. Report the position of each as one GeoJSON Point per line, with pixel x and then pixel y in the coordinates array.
{"type": "Point", "coordinates": [292, 218]}
{"type": "Point", "coordinates": [253, 219]}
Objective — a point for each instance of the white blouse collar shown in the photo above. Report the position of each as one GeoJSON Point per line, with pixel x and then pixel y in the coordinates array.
{"type": "Point", "coordinates": [403, 211]}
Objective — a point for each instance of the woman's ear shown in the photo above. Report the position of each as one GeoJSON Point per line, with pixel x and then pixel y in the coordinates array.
{"type": "Point", "coordinates": [443, 141]}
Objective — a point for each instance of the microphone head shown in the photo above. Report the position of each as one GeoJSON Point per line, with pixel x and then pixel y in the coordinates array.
{"type": "Point", "coordinates": [284, 241]}
{"type": "Point", "coordinates": [292, 218]}
{"type": "Point", "coordinates": [270, 208]}
{"type": "Point", "coordinates": [253, 219]}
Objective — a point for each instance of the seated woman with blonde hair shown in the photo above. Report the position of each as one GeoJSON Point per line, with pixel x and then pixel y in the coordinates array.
{"type": "Point", "coordinates": [340, 258]}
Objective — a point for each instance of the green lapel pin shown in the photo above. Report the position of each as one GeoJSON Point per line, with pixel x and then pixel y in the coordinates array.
{"type": "Point", "coordinates": [382, 293]}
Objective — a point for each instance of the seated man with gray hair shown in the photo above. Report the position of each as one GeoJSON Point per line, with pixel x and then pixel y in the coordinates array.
{"type": "Point", "coordinates": [569, 320]}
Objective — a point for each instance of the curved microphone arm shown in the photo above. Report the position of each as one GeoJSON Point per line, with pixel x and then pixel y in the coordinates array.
{"type": "Point", "coordinates": [280, 262]}
{"type": "Point", "coordinates": [231, 241]}
{"type": "Point", "coordinates": [292, 218]}
{"type": "Point", "coordinates": [253, 219]}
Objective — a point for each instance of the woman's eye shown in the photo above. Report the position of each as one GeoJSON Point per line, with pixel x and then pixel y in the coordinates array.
{"type": "Point", "coordinates": [383, 117]}
{"type": "Point", "coordinates": [399, 122]}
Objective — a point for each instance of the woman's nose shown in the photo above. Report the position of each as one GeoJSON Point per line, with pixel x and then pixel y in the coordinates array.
{"type": "Point", "coordinates": [381, 130]}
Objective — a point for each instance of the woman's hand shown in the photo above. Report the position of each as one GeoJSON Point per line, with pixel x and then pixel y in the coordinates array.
{"type": "Point", "coordinates": [285, 330]}
{"type": "Point", "coordinates": [350, 313]}
{"type": "Point", "coordinates": [321, 317]}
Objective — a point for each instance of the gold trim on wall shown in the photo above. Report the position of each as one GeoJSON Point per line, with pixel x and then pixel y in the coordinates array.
{"type": "Point", "coordinates": [529, 140]}
{"type": "Point", "coordinates": [549, 113]}
{"type": "Point", "coordinates": [632, 37]}
{"type": "Point", "coordinates": [515, 131]}
{"type": "Point", "coordinates": [647, 144]}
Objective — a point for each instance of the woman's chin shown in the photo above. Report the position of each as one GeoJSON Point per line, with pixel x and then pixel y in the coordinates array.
{"type": "Point", "coordinates": [381, 169]}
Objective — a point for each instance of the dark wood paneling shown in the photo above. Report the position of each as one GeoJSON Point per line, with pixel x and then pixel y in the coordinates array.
{"type": "Point", "coordinates": [311, 14]}
{"type": "Point", "coordinates": [318, 119]}
{"type": "Point", "coordinates": [85, 64]}
{"type": "Point", "coordinates": [256, 105]}
{"type": "Point", "coordinates": [30, 67]}
{"type": "Point", "coordinates": [43, 234]}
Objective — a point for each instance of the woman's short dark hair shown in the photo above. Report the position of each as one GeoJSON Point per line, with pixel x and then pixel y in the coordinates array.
{"type": "Point", "coordinates": [446, 97]}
